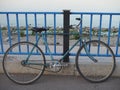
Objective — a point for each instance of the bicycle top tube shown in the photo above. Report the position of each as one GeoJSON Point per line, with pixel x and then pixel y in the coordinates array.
{"type": "Point", "coordinates": [37, 29]}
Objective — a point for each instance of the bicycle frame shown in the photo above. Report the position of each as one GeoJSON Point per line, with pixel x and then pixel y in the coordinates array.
{"type": "Point", "coordinates": [67, 52]}
{"type": "Point", "coordinates": [46, 44]}
{"type": "Point", "coordinates": [62, 58]}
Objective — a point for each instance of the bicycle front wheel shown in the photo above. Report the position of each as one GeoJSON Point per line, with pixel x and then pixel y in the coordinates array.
{"type": "Point", "coordinates": [104, 66]}
{"type": "Point", "coordinates": [24, 63]}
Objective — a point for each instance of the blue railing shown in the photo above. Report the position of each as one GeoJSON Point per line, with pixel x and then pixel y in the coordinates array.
{"type": "Point", "coordinates": [13, 23]}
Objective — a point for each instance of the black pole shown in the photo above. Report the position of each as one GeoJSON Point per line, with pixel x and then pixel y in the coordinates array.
{"type": "Point", "coordinates": [66, 22]}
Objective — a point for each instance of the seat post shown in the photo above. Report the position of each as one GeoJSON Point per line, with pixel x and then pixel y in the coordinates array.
{"type": "Point", "coordinates": [38, 38]}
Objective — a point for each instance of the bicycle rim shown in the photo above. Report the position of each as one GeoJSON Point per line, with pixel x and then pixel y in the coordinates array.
{"type": "Point", "coordinates": [14, 63]}
{"type": "Point", "coordinates": [95, 71]}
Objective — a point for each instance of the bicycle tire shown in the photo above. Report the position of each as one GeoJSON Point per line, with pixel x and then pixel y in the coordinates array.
{"type": "Point", "coordinates": [99, 71]}
{"type": "Point", "coordinates": [14, 59]}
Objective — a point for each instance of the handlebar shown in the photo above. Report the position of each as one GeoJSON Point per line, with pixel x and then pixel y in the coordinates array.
{"type": "Point", "coordinates": [78, 19]}
{"type": "Point", "coordinates": [36, 29]}
{"type": "Point", "coordinates": [77, 26]}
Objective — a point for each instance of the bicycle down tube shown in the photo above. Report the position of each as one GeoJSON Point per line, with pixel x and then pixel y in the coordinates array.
{"type": "Point", "coordinates": [50, 53]}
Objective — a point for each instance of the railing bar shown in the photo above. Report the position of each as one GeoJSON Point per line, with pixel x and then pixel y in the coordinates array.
{"type": "Point", "coordinates": [88, 13]}
{"type": "Point", "coordinates": [26, 19]}
{"type": "Point", "coordinates": [36, 36]}
{"type": "Point", "coordinates": [9, 32]}
{"type": "Point", "coordinates": [8, 19]}
{"type": "Point", "coordinates": [1, 41]}
{"type": "Point", "coordinates": [91, 22]}
{"type": "Point", "coordinates": [18, 30]}
{"type": "Point", "coordinates": [31, 12]}
{"type": "Point", "coordinates": [81, 25]}
{"type": "Point", "coordinates": [100, 27]}
{"type": "Point", "coordinates": [109, 31]}
{"type": "Point", "coordinates": [110, 23]}
{"type": "Point", "coordinates": [55, 33]}
{"type": "Point", "coordinates": [118, 40]}
{"type": "Point", "coordinates": [35, 21]}
{"type": "Point", "coordinates": [90, 36]}
{"type": "Point", "coordinates": [99, 33]}
{"type": "Point", "coordinates": [95, 13]}
{"type": "Point", "coordinates": [27, 37]}
{"type": "Point", "coordinates": [45, 25]}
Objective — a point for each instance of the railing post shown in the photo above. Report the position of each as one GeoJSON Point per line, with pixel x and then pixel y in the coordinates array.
{"type": "Point", "coordinates": [66, 22]}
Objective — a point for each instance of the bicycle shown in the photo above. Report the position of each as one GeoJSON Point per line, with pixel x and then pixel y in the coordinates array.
{"type": "Point", "coordinates": [29, 60]}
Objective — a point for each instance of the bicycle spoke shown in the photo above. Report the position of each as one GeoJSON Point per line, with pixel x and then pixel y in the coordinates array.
{"type": "Point", "coordinates": [95, 71]}
{"type": "Point", "coordinates": [15, 66]}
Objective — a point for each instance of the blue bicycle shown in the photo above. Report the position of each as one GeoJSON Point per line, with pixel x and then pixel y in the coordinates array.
{"type": "Point", "coordinates": [25, 62]}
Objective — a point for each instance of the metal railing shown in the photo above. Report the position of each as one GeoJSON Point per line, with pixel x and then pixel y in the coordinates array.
{"type": "Point", "coordinates": [15, 27]}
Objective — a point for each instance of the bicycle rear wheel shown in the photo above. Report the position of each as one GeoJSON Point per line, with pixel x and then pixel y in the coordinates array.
{"type": "Point", "coordinates": [95, 71]}
{"type": "Point", "coordinates": [18, 69]}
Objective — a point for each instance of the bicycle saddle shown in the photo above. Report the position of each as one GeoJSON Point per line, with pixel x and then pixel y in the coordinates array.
{"type": "Point", "coordinates": [78, 19]}
{"type": "Point", "coordinates": [36, 29]}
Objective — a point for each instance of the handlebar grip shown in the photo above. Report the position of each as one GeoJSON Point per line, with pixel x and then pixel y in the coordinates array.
{"type": "Point", "coordinates": [78, 19]}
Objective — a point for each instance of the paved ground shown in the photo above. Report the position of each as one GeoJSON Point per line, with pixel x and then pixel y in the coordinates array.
{"type": "Point", "coordinates": [61, 83]}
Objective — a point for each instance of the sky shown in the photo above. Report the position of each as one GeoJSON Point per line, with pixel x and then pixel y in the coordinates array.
{"type": "Point", "coordinates": [60, 5]}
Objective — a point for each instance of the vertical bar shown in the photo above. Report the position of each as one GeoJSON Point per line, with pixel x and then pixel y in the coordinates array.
{"type": "Point", "coordinates": [26, 20]}
{"type": "Point", "coordinates": [1, 42]}
{"type": "Point", "coordinates": [18, 30]}
{"type": "Point", "coordinates": [109, 31]}
{"type": "Point", "coordinates": [9, 32]}
{"type": "Point", "coordinates": [54, 33]}
{"type": "Point", "coordinates": [118, 40]}
{"type": "Point", "coordinates": [45, 19]}
{"type": "Point", "coordinates": [27, 38]}
{"type": "Point", "coordinates": [45, 25]}
{"type": "Point", "coordinates": [35, 17]}
{"type": "Point", "coordinates": [100, 27]}
{"type": "Point", "coordinates": [81, 24]}
{"type": "Point", "coordinates": [66, 23]}
{"type": "Point", "coordinates": [36, 36]}
{"type": "Point", "coordinates": [99, 34]}
{"type": "Point", "coordinates": [91, 20]}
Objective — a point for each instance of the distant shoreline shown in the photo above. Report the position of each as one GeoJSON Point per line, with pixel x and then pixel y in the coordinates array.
{"type": "Point", "coordinates": [59, 39]}
{"type": "Point", "coordinates": [85, 30]}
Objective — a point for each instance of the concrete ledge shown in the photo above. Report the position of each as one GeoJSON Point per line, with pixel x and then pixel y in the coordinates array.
{"type": "Point", "coordinates": [117, 69]}
{"type": "Point", "coordinates": [69, 70]}
{"type": "Point", "coordinates": [1, 68]}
